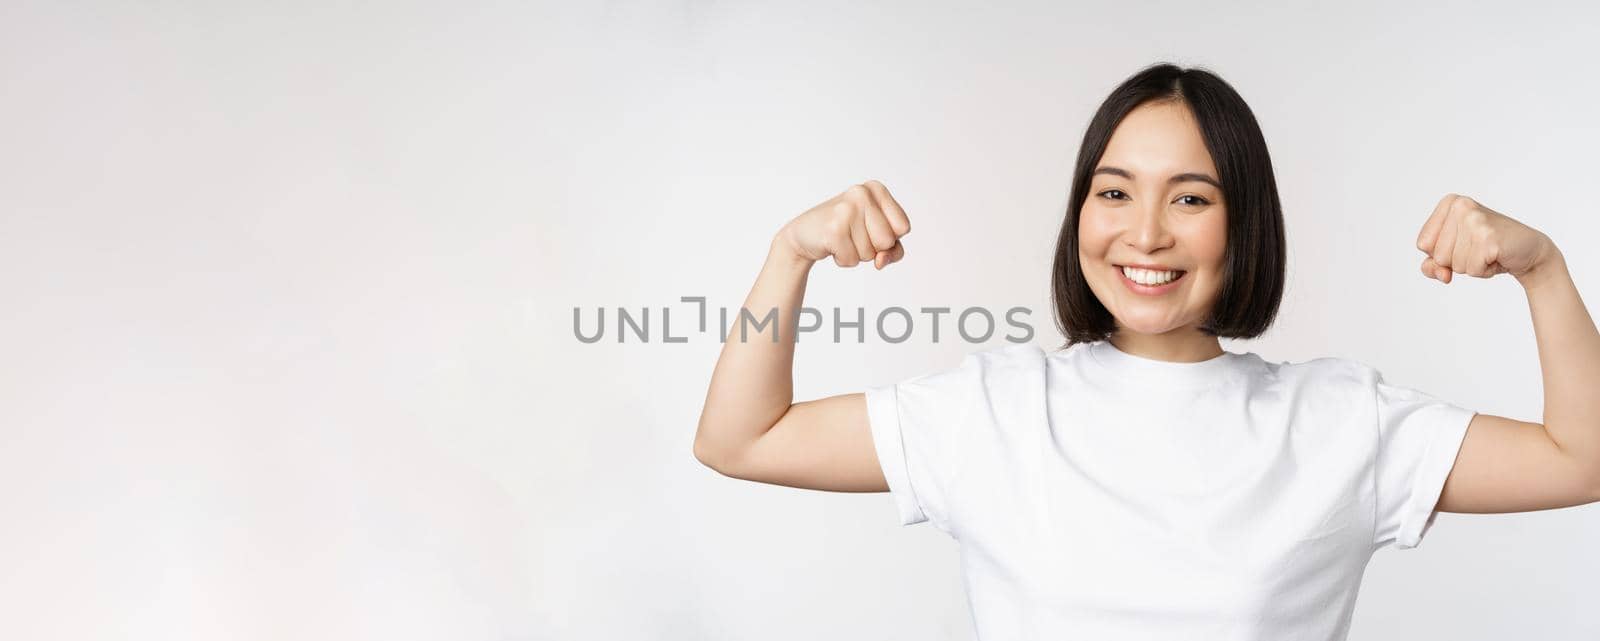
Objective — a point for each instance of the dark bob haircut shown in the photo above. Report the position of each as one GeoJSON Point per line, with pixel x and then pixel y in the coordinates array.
{"type": "Point", "coordinates": [1253, 263]}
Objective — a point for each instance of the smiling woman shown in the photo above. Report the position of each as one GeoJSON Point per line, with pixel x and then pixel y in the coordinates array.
{"type": "Point", "coordinates": [1142, 482]}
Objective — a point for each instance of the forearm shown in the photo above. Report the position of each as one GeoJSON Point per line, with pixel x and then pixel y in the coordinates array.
{"type": "Point", "coordinates": [1569, 359]}
{"type": "Point", "coordinates": [752, 385]}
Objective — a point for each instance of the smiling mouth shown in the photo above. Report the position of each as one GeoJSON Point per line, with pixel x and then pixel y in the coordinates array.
{"type": "Point", "coordinates": [1178, 274]}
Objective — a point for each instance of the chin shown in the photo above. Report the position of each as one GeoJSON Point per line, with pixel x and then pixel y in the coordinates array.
{"type": "Point", "coordinates": [1146, 328]}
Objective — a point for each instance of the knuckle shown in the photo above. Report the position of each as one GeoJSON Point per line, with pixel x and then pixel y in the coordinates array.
{"type": "Point", "coordinates": [858, 191]}
{"type": "Point", "coordinates": [900, 225]}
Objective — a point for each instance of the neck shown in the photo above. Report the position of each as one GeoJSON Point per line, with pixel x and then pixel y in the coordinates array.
{"type": "Point", "coordinates": [1178, 346]}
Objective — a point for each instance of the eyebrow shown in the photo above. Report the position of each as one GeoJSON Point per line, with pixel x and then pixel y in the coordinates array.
{"type": "Point", "coordinates": [1179, 178]}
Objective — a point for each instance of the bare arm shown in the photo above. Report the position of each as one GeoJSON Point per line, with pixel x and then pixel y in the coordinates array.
{"type": "Point", "coordinates": [750, 427]}
{"type": "Point", "coordinates": [1507, 465]}
{"type": "Point", "coordinates": [1569, 354]}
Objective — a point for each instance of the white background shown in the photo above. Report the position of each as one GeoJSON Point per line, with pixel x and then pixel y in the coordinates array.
{"type": "Point", "coordinates": [288, 291]}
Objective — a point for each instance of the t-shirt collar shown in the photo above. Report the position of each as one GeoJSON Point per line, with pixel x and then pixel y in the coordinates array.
{"type": "Point", "coordinates": [1139, 369]}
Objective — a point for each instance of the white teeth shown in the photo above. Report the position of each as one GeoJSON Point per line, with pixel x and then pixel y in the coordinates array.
{"type": "Point", "coordinates": [1148, 277]}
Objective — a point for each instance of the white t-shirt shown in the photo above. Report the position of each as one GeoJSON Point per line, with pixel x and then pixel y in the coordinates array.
{"type": "Point", "coordinates": [1100, 495]}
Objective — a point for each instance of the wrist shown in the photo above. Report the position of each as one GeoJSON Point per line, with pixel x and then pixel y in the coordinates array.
{"type": "Point", "coordinates": [1546, 270]}
{"type": "Point", "coordinates": [783, 253]}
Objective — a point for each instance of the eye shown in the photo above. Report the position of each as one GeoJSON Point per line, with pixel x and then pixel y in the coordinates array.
{"type": "Point", "coordinates": [1114, 194]}
{"type": "Point", "coordinates": [1193, 200]}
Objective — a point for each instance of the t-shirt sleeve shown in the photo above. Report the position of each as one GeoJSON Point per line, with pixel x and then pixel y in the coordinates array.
{"type": "Point", "coordinates": [1418, 438]}
{"type": "Point", "coordinates": [918, 427]}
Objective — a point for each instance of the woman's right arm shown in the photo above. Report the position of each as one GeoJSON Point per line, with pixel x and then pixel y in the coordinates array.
{"type": "Point", "coordinates": [750, 428]}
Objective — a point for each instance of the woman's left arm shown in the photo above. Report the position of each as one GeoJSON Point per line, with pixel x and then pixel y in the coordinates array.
{"type": "Point", "coordinates": [1506, 465]}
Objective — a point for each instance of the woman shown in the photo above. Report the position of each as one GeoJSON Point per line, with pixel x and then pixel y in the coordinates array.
{"type": "Point", "coordinates": [1143, 483]}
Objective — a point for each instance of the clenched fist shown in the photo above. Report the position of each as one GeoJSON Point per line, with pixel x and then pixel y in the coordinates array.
{"type": "Point", "coordinates": [863, 223]}
{"type": "Point", "coordinates": [1465, 237]}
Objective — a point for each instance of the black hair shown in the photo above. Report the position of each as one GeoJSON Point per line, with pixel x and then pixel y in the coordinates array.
{"type": "Point", "coordinates": [1254, 261]}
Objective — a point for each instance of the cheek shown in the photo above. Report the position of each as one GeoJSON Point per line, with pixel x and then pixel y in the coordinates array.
{"type": "Point", "coordinates": [1211, 240]}
{"type": "Point", "coordinates": [1211, 249]}
{"type": "Point", "coordinates": [1094, 231]}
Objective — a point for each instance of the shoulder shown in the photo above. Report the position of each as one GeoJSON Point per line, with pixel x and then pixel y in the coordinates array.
{"type": "Point", "coordinates": [1324, 370]}
{"type": "Point", "coordinates": [1326, 381]}
{"type": "Point", "coordinates": [990, 369]}
{"type": "Point", "coordinates": [1012, 356]}
{"type": "Point", "coordinates": [1326, 392]}
{"type": "Point", "coordinates": [986, 367]}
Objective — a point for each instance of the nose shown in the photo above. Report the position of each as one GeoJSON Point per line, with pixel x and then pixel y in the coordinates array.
{"type": "Point", "coordinates": [1150, 232]}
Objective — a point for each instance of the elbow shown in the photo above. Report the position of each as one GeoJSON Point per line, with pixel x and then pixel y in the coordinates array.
{"type": "Point", "coordinates": [719, 458]}
{"type": "Point", "coordinates": [705, 454]}
{"type": "Point", "coordinates": [711, 455]}
{"type": "Point", "coordinates": [705, 450]}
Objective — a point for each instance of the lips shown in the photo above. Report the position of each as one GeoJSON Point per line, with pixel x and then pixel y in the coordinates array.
{"type": "Point", "coordinates": [1154, 268]}
{"type": "Point", "coordinates": [1140, 288]}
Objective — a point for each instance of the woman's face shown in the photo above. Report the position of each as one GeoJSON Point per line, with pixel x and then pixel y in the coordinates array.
{"type": "Point", "coordinates": [1154, 201]}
